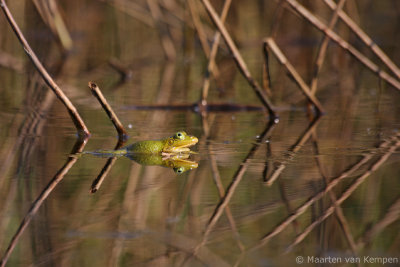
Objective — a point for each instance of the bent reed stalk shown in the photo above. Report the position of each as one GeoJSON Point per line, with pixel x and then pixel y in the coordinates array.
{"type": "Point", "coordinates": [238, 58]}
{"type": "Point", "coordinates": [76, 118]}
{"type": "Point", "coordinates": [122, 134]}
{"type": "Point", "coordinates": [305, 13]}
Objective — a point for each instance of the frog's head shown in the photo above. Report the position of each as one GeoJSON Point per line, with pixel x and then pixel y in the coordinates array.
{"type": "Point", "coordinates": [179, 142]}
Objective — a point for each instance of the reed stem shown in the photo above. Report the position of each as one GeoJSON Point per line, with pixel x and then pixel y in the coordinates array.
{"type": "Point", "coordinates": [76, 118]}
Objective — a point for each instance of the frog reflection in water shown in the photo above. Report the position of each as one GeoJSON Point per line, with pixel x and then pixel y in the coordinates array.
{"type": "Point", "coordinates": [178, 162]}
{"type": "Point", "coordinates": [172, 152]}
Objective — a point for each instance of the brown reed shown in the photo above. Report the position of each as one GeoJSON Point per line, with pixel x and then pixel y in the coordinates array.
{"type": "Point", "coordinates": [342, 43]}
{"type": "Point", "coordinates": [347, 193]}
{"type": "Point", "coordinates": [333, 183]}
{"type": "Point", "coordinates": [110, 113]}
{"type": "Point", "coordinates": [73, 112]}
{"type": "Point", "coordinates": [366, 39]}
{"type": "Point", "coordinates": [211, 66]}
{"type": "Point", "coordinates": [323, 47]}
{"type": "Point", "coordinates": [58, 177]}
{"type": "Point", "coordinates": [294, 74]}
{"type": "Point", "coordinates": [238, 58]}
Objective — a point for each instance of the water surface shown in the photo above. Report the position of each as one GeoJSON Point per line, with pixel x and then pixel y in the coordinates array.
{"type": "Point", "coordinates": [262, 195]}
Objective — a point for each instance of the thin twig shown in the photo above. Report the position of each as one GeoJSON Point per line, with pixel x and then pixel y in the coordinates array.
{"type": "Point", "coordinates": [79, 145]}
{"type": "Point", "coordinates": [333, 183]}
{"type": "Point", "coordinates": [349, 191]}
{"type": "Point", "coordinates": [322, 49]}
{"type": "Point", "coordinates": [166, 40]}
{"type": "Point", "coordinates": [96, 184]}
{"type": "Point", "coordinates": [238, 58]}
{"type": "Point", "coordinates": [345, 45]}
{"type": "Point", "coordinates": [76, 118]}
{"type": "Point", "coordinates": [366, 39]}
{"type": "Point", "coordinates": [293, 73]}
{"type": "Point", "coordinates": [266, 73]}
{"type": "Point", "coordinates": [51, 15]}
{"type": "Point", "coordinates": [199, 27]}
{"type": "Point", "coordinates": [211, 67]}
{"type": "Point", "coordinates": [111, 114]}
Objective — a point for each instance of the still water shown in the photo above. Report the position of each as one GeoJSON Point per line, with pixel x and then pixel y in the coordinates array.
{"type": "Point", "coordinates": [303, 190]}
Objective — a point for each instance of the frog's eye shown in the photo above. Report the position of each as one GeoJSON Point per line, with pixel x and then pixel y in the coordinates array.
{"type": "Point", "coordinates": [179, 170]}
{"type": "Point", "coordinates": [180, 135]}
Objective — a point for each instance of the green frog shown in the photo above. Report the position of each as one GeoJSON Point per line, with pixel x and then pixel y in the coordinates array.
{"type": "Point", "coordinates": [178, 143]}
{"type": "Point", "coordinates": [172, 152]}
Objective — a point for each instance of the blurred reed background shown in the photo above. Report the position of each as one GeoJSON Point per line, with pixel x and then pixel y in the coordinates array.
{"type": "Point", "coordinates": [261, 190]}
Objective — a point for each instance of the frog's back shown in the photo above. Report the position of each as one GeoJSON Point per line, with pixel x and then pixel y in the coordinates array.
{"type": "Point", "coordinates": [152, 147]}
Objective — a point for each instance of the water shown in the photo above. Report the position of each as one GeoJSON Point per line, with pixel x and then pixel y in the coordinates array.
{"type": "Point", "coordinates": [262, 193]}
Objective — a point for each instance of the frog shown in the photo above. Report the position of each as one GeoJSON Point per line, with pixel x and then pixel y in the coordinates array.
{"type": "Point", "coordinates": [178, 143]}
{"type": "Point", "coordinates": [171, 152]}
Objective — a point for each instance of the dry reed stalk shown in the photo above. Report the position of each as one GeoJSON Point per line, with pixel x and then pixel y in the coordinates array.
{"type": "Point", "coordinates": [323, 47]}
{"type": "Point", "coordinates": [96, 184]}
{"type": "Point", "coordinates": [274, 29]}
{"type": "Point", "coordinates": [333, 183]}
{"type": "Point", "coordinates": [266, 76]}
{"type": "Point", "coordinates": [366, 39]}
{"type": "Point", "coordinates": [199, 27]}
{"type": "Point", "coordinates": [294, 74]}
{"type": "Point", "coordinates": [76, 118]}
{"type": "Point", "coordinates": [349, 191]}
{"type": "Point", "coordinates": [177, 12]}
{"type": "Point", "coordinates": [238, 58]}
{"type": "Point", "coordinates": [110, 113]}
{"type": "Point", "coordinates": [78, 147]}
{"type": "Point", "coordinates": [342, 43]}
{"type": "Point", "coordinates": [278, 13]}
{"type": "Point", "coordinates": [166, 40]}
{"type": "Point", "coordinates": [48, 10]}
{"type": "Point", "coordinates": [211, 66]}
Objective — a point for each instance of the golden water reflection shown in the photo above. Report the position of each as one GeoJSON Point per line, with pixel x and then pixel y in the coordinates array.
{"type": "Point", "coordinates": [259, 193]}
